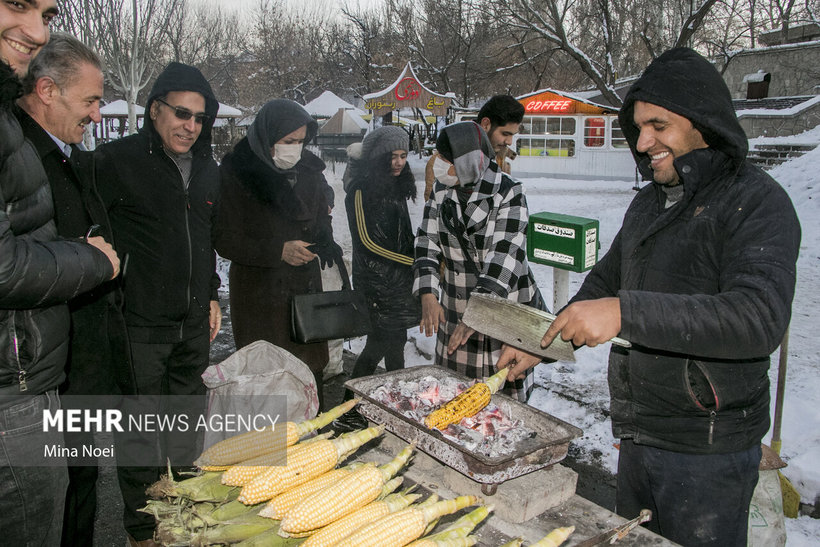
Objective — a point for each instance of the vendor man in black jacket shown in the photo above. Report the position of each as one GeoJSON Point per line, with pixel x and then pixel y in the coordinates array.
{"type": "Point", "coordinates": [160, 187]}
{"type": "Point", "coordinates": [62, 93]}
{"type": "Point", "coordinates": [39, 273]}
{"type": "Point", "coordinates": [700, 279]}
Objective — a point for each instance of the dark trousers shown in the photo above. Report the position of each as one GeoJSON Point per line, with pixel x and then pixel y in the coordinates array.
{"type": "Point", "coordinates": [696, 500]}
{"type": "Point", "coordinates": [381, 344]}
{"type": "Point", "coordinates": [164, 370]}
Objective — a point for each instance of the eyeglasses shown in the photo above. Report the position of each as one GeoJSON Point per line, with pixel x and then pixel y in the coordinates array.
{"type": "Point", "coordinates": [185, 114]}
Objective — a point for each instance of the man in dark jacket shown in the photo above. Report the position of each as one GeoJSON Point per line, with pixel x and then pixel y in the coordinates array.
{"type": "Point", "coordinates": [62, 94]}
{"type": "Point", "coordinates": [160, 187]}
{"type": "Point", "coordinates": [38, 273]}
{"type": "Point", "coordinates": [700, 279]}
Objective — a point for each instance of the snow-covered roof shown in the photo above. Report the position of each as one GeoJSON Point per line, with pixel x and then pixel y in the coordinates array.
{"type": "Point", "coordinates": [119, 108]}
{"type": "Point", "coordinates": [226, 111]}
{"type": "Point", "coordinates": [344, 122]}
{"type": "Point", "coordinates": [328, 104]}
{"type": "Point", "coordinates": [408, 91]}
{"type": "Point", "coordinates": [774, 106]}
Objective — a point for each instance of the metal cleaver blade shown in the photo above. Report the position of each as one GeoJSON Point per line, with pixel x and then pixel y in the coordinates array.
{"type": "Point", "coordinates": [516, 325]}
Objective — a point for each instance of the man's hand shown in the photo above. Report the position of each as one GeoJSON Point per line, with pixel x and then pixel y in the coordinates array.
{"type": "Point", "coordinates": [588, 322]}
{"type": "Point", "coordinates": [517, 361]}
{"type": "Point", "coordinates": [215, 319]}
{"type": "Point", "coordinates": [432, 314]}
{"type": "Point", "coordinates": [459, 337]}
{"type": "Point", "coordinates": [296, 253]}
{"type": "Point", "coordinates": [108, 251]}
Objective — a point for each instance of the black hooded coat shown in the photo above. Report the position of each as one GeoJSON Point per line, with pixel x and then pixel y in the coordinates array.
{"type": "Point", "coordinates": [261, 208]}
{"type": "Point", "coordinates": [164, 227]}
{"type": "Point", "coordinates": [705, 286]}
{"type": "Point", "coordinates": [383, 249]}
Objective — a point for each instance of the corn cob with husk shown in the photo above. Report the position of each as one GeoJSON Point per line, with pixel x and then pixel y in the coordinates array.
{"type": "Point", "coordinates": [460, 528]}
{"type": "Point", "coordinates": [205, 487]}
{"type": "Point", "coordinates": [340, 529]}
{"type": "Point", "coordinates": [515, 542]}
{"type": "Point", "coordinates": [400, 528]}
{"type": "Point", "coordinates": [234, 531]}
{"type": "Point", "coordinates": [305, 465]}
{"type": "Point", "coordinates": [467, 403]}
{"type": "Point", "coordinates": [244, 472]}
{"type": "Point", "coordinates": [555, 538]}
{"type": "Point", "coordinates": [279, 506]}
{"type": "Point", "coordinates": [466, 541]}
{"type": "Point", "coordinates": [256, 443]}
{"type": "Point", "coordinates": [345, 496]}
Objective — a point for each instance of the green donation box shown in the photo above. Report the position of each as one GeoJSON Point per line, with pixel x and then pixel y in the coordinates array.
{"type": "Point", "coordinates": [562, 241]}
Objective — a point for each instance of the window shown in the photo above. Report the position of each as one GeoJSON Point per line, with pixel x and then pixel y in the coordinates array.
{"type": "Point", "coordinates": [558, 148]}
{"type": "Point", "coordinates": [618, 139]}
{"type": "Point", "coordinates": [594, 132]}
{"type": "Point", "coordinates": [560, 126]}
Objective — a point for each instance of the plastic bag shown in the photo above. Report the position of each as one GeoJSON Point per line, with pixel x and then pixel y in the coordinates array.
{"type": "Point", "coordinates": [243, 384]}
{"type": "Point", "coordinates": [767, 527]}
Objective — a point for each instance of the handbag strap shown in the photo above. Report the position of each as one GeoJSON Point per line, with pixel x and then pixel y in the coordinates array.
{"type": "Point", "coordinates": [343, 274]}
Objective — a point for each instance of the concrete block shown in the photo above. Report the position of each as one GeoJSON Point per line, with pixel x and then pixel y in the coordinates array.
{"type": "Point", "coordinates": [522, 498]}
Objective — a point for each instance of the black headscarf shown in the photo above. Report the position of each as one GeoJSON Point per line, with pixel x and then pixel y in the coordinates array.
{"type": "Point", "coordinates": [278, 118]}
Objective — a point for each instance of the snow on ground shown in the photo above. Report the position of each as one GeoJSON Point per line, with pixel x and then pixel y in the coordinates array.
{"type": "Point", "coordinates": [578, 393]}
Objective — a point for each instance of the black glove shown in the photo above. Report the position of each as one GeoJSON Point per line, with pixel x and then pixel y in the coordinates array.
{"type": "Point", "coordinates": [328, 253]}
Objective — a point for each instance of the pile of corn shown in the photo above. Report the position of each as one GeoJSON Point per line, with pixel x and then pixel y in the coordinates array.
{"type": "Point", "coordinates": [248, 496]}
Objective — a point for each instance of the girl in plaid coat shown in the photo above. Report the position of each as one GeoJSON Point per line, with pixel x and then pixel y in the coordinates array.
{"type": "Point", "coordinates": [475, 222]}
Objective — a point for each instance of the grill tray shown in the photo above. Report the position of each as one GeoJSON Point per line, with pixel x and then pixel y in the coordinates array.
{"type": "Point", "coordinates": [549, 445]}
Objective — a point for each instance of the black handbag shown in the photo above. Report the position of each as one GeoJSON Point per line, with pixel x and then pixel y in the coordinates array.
{"type": "Point", "coordinates": [330, 315]}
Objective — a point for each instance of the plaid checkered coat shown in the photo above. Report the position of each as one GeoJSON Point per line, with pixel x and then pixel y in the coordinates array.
{"type": "Point", "coordinates": [484, 249]}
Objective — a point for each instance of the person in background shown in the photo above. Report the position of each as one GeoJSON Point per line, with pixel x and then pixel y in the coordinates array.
{"type": "Point", "coordinates": [378, 183]}
{"type": "Point", "coordinates": [41, 272]}
{"type": "Point", "coordinates": [62, 93]}
{"type": "Point", "coordinates": [476, 223]}
{"type": "Point", "coordinates": [161, 188]}
{"type": "Point", "coordinates": [274, 226]}
{"type": "Point", "coordinates": [700, 279]}
{"type": "Point", "coordinates": [501, 118]}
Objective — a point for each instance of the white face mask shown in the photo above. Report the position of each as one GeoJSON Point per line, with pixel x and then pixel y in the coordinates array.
{"type": "Point", "coordinates": [286, 156]}
{"type": "Point", "coordinates": [440, 170]}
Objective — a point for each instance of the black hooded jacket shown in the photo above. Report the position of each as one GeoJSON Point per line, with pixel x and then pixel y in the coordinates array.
{"type": "Point", "coordinates": [164, 227]}
{"type": "Point", "coordinates": [705, 286]}
{"type": "Point", "coordinates": [383, 239]}
{"type": "Point", "coordinates": [39, 272]}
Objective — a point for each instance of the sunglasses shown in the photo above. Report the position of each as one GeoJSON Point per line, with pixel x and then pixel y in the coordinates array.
{"type": "Point", "coordinates": [185, 114]}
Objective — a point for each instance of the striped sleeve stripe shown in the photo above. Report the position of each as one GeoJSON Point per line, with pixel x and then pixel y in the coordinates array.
{"type": "Point", "coordinates": [368, 243]}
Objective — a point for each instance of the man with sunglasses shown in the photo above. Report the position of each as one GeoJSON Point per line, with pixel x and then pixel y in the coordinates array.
{"type": "Point", "coordinates": [161, 187]}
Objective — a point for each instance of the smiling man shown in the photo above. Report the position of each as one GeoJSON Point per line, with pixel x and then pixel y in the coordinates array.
{"type": "Point", "coordinates": [62, 93]}
{"type": "Point", "coordinates": [40, 273]}
{"type": "Point", "coordinates": [161, 187]}
{"type": "Point", "coordinates": [700, 279]}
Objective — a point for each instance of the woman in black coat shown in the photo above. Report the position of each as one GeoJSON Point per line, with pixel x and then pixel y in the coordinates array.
{"type": "Point", "coordinates": [378, 183]}
{"type": "Point", "coordinates": [273, 224]}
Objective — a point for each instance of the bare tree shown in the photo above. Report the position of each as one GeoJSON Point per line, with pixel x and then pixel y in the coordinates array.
{"type": "Point", "coordinates": [128, 34]}
{"type": "Point", "coordinates": [594, 45]}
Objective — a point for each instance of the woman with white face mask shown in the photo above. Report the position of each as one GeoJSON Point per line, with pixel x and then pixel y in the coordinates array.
{"type": "Point", "coordinates": [475, 222]}
{"type": "Point", "coordinates": [273, 224]}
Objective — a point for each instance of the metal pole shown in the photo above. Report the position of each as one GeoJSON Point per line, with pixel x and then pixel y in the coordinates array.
{"type": "Point", "coordinates": [560, 289]}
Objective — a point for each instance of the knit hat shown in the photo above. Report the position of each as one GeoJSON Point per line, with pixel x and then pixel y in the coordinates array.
{"type": "Point", "coordinates": [385, 139]}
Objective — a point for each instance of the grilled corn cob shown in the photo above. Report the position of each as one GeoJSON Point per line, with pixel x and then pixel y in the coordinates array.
{"type": "Point", "coordinates": [400, 528]}
{"type": "Point", "coordinates": [256, 443]}
{"type": "Point", "coordinates": [304, 465]}
{"type": "Point", "coordinates": [340, 529]}
{"type": "Point", "coordinates": [343, 497]}
{"type": "Point", "coordinates": [467, 403]}
{"type": "Point", "coordinates": [555, 538]}
{"type": "Point", "coordinates": [246, 471]}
